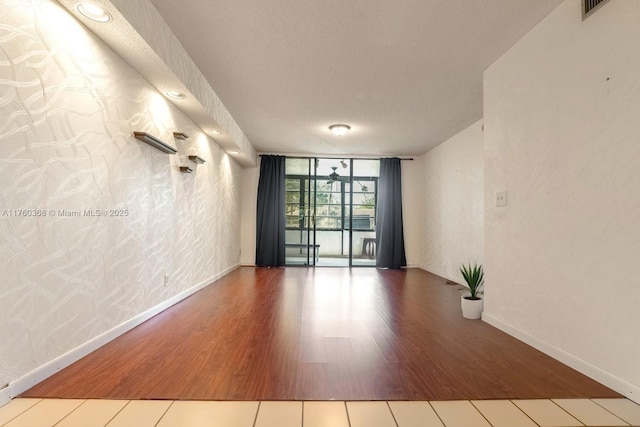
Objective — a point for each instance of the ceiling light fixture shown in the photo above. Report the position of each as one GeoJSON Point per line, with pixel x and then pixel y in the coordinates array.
{"type": "Point", "coordinates": [93, 12]}
{"type": "Point", "coordinates": [175, 94]}
{"type": "Point", "coordinates": [339, 130]}
{"type": "Point", "coordinates": [233, 152]}
{"type": "Point", "coordinates": [214, 132]}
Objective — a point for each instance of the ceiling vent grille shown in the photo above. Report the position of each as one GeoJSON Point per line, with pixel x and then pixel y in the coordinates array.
{"type": "Point", "coordinates": [589, 7]}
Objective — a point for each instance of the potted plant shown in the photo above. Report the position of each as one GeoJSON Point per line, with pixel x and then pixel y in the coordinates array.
{"type": "Point", "coordinates": [471, 300]}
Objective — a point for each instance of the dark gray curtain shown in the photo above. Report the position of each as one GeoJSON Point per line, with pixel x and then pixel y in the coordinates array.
{"type": "Point", "coordinates": [270, 219]}
{"type": "Point", "coordinates": [389, 230]}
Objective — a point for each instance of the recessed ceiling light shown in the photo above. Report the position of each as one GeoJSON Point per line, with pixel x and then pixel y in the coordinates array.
{"type": "Point", "coordinates": [339, 130]}
{"type": "Point", "coordinates": [214, 132]}
{"type": "Point", "coordinates": [93, 12]}
{"type": "Point", "coordinates": [233, 152]}
{"type": "Point", "coordinates": [175, 94]}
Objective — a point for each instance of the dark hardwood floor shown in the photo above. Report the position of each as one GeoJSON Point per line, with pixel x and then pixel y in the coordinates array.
{"type": "Point", "coordinates": [318, 334]}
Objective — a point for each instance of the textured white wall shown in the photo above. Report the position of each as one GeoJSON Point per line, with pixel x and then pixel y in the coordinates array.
{"type": "Point", "coordinates": [166, 48]}
{"type": "Point", "coordinates": [562, 136]}
{"type": "Point", "coordinates": [249, 196]}
{"type": "Point", "coordinates": [68, 108]}
{"type": "Point", "coordinates": [454, 204]}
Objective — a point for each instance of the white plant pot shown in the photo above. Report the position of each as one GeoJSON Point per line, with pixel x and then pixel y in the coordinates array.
{"type": "Point", "coordinates": [471, 309]}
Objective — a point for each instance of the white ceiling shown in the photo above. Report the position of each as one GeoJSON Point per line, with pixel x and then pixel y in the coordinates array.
{"type": "Point", "coordinates": [404, 74]}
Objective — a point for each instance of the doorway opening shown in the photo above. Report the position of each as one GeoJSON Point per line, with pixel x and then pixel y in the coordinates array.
{"type": "Point", "coordinates": [331, 211]}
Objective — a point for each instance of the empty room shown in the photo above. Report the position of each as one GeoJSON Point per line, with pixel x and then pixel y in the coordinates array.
{"type": "Point", "coordinates": [319, 213]}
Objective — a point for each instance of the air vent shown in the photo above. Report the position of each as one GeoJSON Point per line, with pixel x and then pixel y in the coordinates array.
{"type": "Point", "coordinates": [589, 7]}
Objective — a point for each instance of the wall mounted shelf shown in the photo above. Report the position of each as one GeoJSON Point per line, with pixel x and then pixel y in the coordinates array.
{"type": "Point", "coordinates": [186, 169]}
{"type": "Point", "coordinates": [197, 159]}
{"type": "Point", "coordinates": [180, 135]}
{"type": "Point", "coordinates": [155, 142]}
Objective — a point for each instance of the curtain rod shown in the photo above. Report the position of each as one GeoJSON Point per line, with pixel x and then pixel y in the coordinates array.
{"type": "Point", "coordinates": [332, 158]}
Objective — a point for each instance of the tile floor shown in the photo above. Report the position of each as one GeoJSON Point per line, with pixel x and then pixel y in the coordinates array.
{"type": "Point", "coordinates": [460, 413]}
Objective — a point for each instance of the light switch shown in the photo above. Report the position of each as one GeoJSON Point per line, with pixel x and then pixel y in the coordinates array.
{"type": "Point", "coordinates": [501, 198]}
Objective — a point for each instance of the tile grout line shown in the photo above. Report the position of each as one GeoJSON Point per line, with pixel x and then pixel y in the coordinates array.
{"type": "Point", "coordinates": [164, 413]}
{"type": "Point", "coordinates": [255, 419]}
{"type": "Point", "coordinates": [481, 414]}
{"type": "Point", "coordinates": [437, 414]}
{"type": "Point", "coordinates": [523, 411]}
{"type": "Point", "coordinates": [117, 413]}
{"type": "Point", "coordinates": [570, 414]}
{"type": "Point", "coordinates": [23, 412]}
{"type": "Point", "coordinates": [346, 408]}
{"type": "Point", "coordinates": [72, 411]}
{"type": "Point", "coordinates": [392, 414]}
{"type": "Point", "coordinates": [612, 413]}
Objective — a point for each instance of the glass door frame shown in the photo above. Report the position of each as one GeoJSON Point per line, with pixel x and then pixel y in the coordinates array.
{"type": "Point", "coordinates": [310, 209]}
{"type": "Point", "coordinates": [306, 214]}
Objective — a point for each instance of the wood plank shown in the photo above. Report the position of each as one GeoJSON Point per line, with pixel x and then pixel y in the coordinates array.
{"type": "Point", "coordinates": [319, 334]}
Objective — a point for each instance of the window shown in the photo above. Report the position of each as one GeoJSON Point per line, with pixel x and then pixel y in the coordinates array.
{"type": "Point", "coordinates": [329, 205]}
{"type": "Point", "coordinates": [364, 204]}
{"type": "Point", "coordinates": [295, 203]}
{"type": "Point", "coordinates": [332, 203]}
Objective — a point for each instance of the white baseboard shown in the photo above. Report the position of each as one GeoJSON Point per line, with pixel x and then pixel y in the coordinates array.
{"type": "Point", "coordinates": [5, 395]}
{"type": "Point", "coordinates": [43, 372]}
{"type": "Point", "coordinates": [628, 390]}
{"type": "Point", "coordinates": [438, 273]}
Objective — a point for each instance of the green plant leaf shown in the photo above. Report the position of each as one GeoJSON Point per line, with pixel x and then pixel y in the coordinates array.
{"type": "Point", "coordinates": [474, 276]}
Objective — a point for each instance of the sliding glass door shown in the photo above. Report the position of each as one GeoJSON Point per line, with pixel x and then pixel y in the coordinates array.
{"type": "Point", "coordinates": [299, 212]}
{"type": "Point", "coordinates": [332, 234]}
{"type": "Point", "coordinates": [330, 211]}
